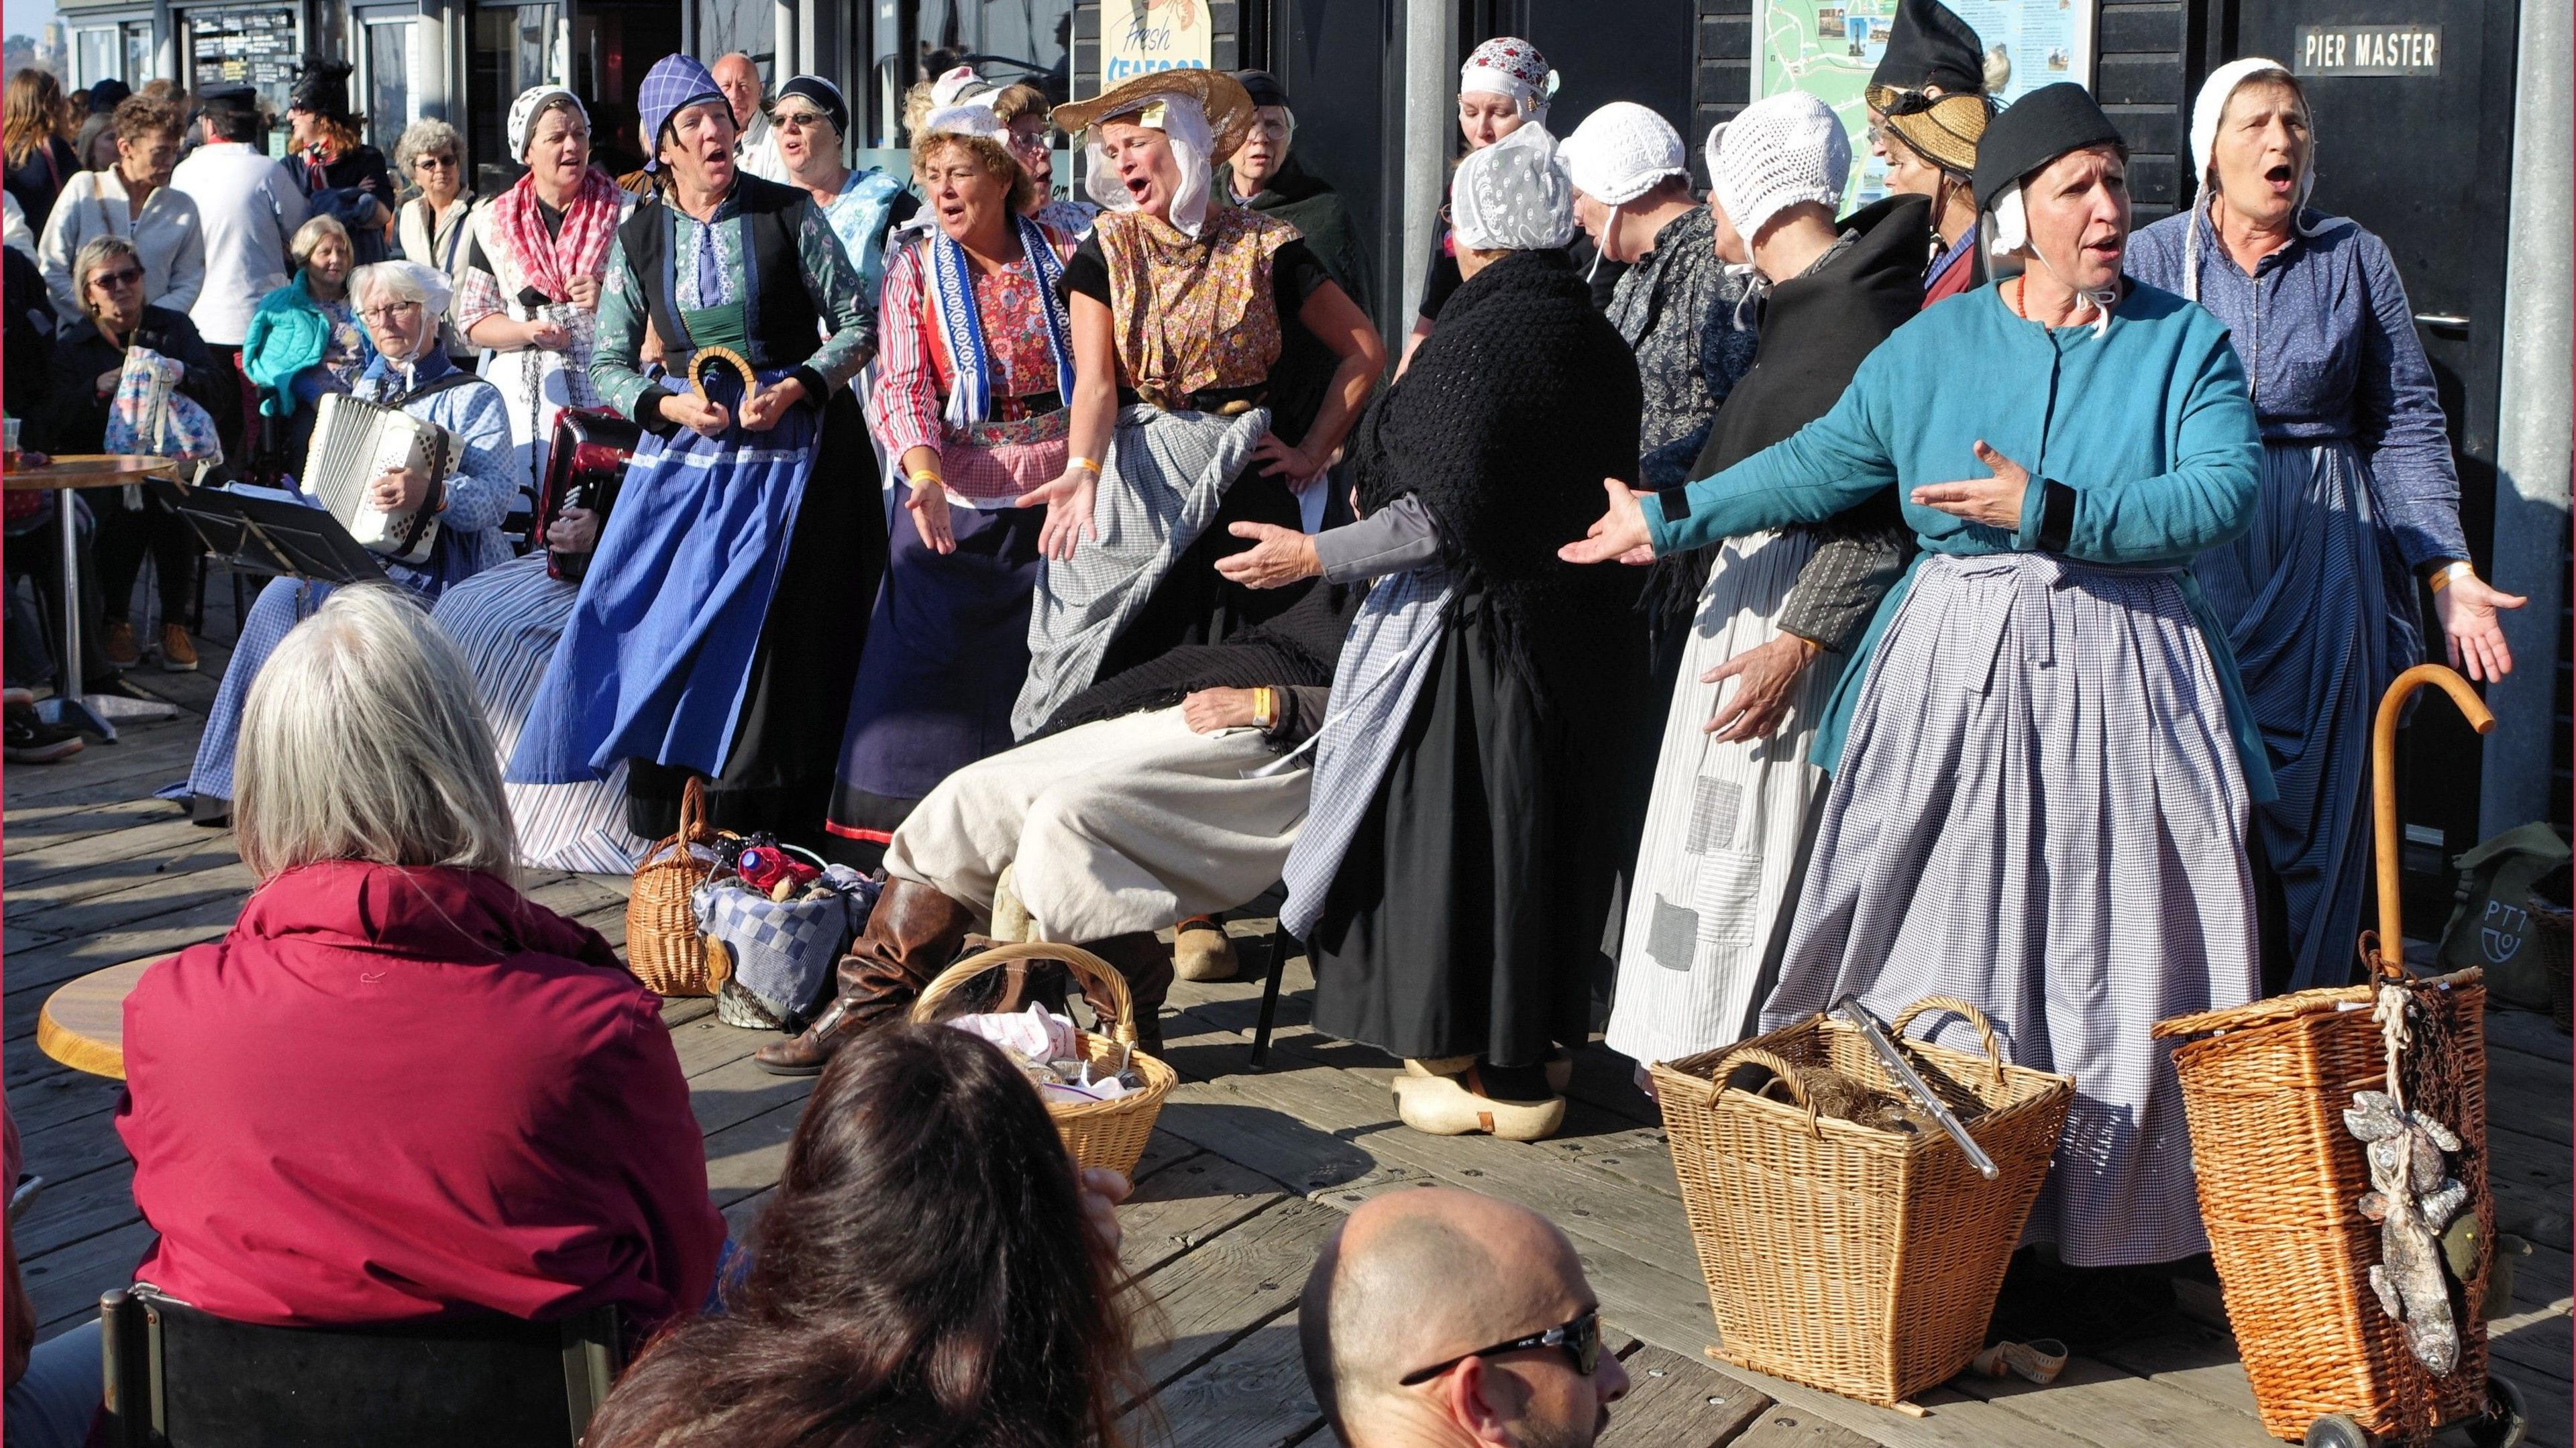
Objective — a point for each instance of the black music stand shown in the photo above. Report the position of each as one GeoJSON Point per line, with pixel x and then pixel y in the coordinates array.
{"type": "Point", "coordinates": [268, 533]}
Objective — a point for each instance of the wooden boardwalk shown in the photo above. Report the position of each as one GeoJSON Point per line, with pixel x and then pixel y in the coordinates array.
{"type": "Point", "coordinates": [1246, 1174]}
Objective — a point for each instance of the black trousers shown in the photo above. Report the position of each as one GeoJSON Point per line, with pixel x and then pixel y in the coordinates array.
{"type": "Point", "coordinates": [37, 556]}
{"type": "Point", "coordinates": [125, 537]}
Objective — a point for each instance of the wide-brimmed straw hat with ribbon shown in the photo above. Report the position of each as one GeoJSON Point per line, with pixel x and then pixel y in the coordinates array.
{"type": "Point", "coordinates": [1929, 48]}
{"type": "Point", "coordinates": [1222, 98]}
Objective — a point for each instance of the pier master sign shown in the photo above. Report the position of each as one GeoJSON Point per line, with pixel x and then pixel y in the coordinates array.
{"type": "Point", "coordinates": [2386, 49]}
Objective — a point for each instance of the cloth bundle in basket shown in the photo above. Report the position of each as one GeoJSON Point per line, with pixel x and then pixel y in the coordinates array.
{"type": "Point", "coordinates": [1851, 1258]}
{"type": "Point", "coordinates": [1108, 1134]}
{"type": "Point", "coordinates": [782, 951]}
{"type": "Point", "coordinates": [2264, 1089]}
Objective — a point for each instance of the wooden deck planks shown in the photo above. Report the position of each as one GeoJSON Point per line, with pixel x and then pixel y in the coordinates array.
{"type": "Point", "coordinates": [1246, 1175]}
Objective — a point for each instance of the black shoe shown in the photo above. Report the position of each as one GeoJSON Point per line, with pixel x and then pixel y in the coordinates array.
{"type": "Point", "coordinates": [25, 738]}
{"type": "Point", "coordinates": [209, 811]}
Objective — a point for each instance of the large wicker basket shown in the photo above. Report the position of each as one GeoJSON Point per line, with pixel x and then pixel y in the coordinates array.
{"type": "Point", "coordinates": [2264, 1088]}
{"type": "Point", "coordinates": [1861, 1261]}
{"type": "Point", "coordinates": [1108, 1134]}
{"type": "Point", "coordinates": [662, 944]}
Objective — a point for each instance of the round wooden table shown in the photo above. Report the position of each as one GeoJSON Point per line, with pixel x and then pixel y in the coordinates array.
{"type": "Point", "coordinates": [83, 1022]}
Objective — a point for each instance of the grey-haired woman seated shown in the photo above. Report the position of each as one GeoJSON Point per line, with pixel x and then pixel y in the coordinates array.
{"type": "Point", "coordinates": [401, 303]}
{"type": "Point", "coordinates": [398, 1089]}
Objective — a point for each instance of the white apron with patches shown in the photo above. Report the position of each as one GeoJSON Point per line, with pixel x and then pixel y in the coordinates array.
{"type": "Point", "coordinates": [1721, 840]}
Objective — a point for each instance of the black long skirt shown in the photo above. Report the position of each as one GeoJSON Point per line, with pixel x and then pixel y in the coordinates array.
{"type": "Point", "coordinates": [778, 777]}
{"type": "Point", "coordinates": [1195, 604]}
{"type": "Point", "coordinates": [1470, 914]}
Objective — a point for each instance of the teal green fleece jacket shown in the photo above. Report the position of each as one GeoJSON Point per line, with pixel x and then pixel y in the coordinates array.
{"type": "Point", "coordinates": [287, 334]}
{"type": "Point", "coordinates": [2141, 445]}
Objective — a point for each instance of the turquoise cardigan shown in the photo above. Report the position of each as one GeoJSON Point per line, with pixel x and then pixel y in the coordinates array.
{"type": "Point", "coordinates": [287, 334]}
{"type": "Point", "coordinates": [2148, 425]}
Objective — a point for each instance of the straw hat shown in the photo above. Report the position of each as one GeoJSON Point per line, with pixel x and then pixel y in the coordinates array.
{"type": "Point", "coordinates": [1227, 104]}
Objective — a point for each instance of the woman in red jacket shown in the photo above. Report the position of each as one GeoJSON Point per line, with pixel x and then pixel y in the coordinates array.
{"type": "Point", "coordinates": [398, 1089]}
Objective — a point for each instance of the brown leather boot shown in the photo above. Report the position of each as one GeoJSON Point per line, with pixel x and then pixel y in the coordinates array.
{"type": "Point", "coordinates": [1146, 963]}
{"type": "Point", "coordinates": [913, 933]}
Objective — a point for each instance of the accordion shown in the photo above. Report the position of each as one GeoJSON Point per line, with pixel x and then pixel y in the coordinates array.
{"type": "Point", "coordinates": [353, 443]}
{"type": "Point", "coordinates": [584, 467]}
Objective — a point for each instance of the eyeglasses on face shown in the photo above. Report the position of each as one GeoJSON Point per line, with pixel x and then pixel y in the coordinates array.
{"type": "Point", "coordinates": [426, 163]}
{"type": "Point", "coordinates": [387, 312]}
{"type": "Point", "coordinates": [1580, 1339]}
{"type": "Point", "coordinates": [1019, 140]}
{"type": "Point", "coordinates": [119, 279]}
{"type": "Point", "coordinates": [797, 120]}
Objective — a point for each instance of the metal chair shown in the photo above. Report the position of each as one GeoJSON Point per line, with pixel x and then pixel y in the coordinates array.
{"type": "Point", "coordinates": [176, 1377]}
{"type": "Point", "coordinates": [1281, 942]}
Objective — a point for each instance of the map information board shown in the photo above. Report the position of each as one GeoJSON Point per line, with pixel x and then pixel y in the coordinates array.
{"type": "Point", "coordinates": [1827, 48]}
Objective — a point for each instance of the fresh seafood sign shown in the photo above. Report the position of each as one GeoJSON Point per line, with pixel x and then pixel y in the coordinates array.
{"type": "Point", "coordinates": [2412, 1198]}
{"type": "Point", "coordinates": [1138, 36]}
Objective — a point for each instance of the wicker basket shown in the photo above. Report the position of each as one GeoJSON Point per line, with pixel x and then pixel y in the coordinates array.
{"type": "Point", "coordinates": [1860, 1261]}
{"type": "Point", "coordinates": [2264, 1089]}
{"type": "Point", "coordinates": [1108, 1134]}
{"type": "Point", "coordinates": [662, 944]}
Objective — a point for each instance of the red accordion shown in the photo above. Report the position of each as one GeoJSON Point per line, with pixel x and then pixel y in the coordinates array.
{"type": "Point", "coordinates": [584, 468]}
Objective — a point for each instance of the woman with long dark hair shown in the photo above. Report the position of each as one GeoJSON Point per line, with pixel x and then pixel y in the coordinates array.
{"type": "Point", "coordinates": [35, 126]}
{"type": "Point", "coordinates": [927, 1272]}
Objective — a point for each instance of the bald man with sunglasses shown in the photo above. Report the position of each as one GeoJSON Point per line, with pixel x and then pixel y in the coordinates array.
{"type": "Point", "coordinates": [1439, 1318]}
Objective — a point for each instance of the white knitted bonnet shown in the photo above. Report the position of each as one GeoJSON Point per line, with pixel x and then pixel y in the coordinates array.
{"type": "Point", "coordinates": [1777, 152]}
{"type": "Point", "coordinates": [1621, 151]}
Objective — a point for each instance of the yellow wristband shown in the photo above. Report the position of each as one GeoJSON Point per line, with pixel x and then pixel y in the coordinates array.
{"type": "Point", "coordinates": [925, 479]}
{"type": "Point", "coordinates": [1265, 708]}
{"type": "Point", "coordinates": [2451, 573]}
{"type": "Point", "coordinates": [1084, 463]}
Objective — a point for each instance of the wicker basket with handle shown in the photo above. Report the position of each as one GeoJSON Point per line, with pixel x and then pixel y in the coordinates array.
{"type": "Point", "coordinates": [1108, 1134]}
{"type": "Point", "coordinates": [2264, 1088]}
{"type": "Point", "coordinates": [662, 944]}
{"type": "Point", "coordinates": [1854, 1259]}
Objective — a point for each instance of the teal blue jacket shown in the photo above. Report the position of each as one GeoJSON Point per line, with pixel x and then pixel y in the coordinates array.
{"type": "Point", "coordinates": [287, 334]}
{"type": "Point", "coordinates": [2141, 445]}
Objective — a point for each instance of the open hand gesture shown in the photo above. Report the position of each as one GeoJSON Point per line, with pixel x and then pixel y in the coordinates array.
{"type": "Point", "coordinates": [1282, 556]}
{"type": "Point", "coordinates": [1994, 501]}
{"type": "Point", "coordinates": [1068, 501]}
{"type": "Point", "coordinates": [928, 505]}
{"type": "Point", "coordinates": [2471, 632]}
{"type": "Point", "coordinates": [1620, 534]}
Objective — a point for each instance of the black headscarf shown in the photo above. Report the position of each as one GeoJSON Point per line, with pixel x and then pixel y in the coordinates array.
{"type": "Point", "coordinates": [825, 96]}
{"type": "Point", "coordinates": [2035, 130]}
{"type": "Point", "coordinates": [1930, 46]}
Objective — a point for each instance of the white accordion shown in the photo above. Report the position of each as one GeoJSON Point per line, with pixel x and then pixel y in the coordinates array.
{"type": "Point", "coordinates": [354, 442]}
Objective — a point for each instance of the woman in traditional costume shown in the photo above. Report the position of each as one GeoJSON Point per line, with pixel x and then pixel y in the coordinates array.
{"type": "Point", "coordinates": [1774, 612]}
{"type": "Point", "coordinates": [2043, 764]}
{"type": "Point", "coordinates": [1504, 85]}
{"type": "Point", "coordinates": [1472, 808]}
{"type": "Point", "coordinates": [1929, 102]}
{"type": "Point", "coordinates": [1179, 302]}
{"type": "Point", "coordinates": [533, 267]}
{"type": "Point", "coordinates": [969, 401]}
{"type": "Point", "coordinates": [809, 117]}
{"type": "Point", "coordinates": [718, 628]}
{"type": "Point", "coordinates": [2360, 498]}
{"type": "Point", "coordinates": [401, 303]}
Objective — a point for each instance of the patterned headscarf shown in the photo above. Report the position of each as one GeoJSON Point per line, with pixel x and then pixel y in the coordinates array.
{"type": "Point", "coordinates": [1512, 195]}
{"type": "Point", "coordinates": [524, 110]}
{"type": "Point", "coordinates": [1509, 66]}
{"type": "Point", "coordinates": [675, 83]}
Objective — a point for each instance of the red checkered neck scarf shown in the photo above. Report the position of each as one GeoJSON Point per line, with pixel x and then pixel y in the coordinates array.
{"type": "Point", "coordinates": [549, 263]}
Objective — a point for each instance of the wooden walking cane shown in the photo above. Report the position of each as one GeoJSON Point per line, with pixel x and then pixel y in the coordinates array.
{"type": "Point", "coordinates": [2385, 948]}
